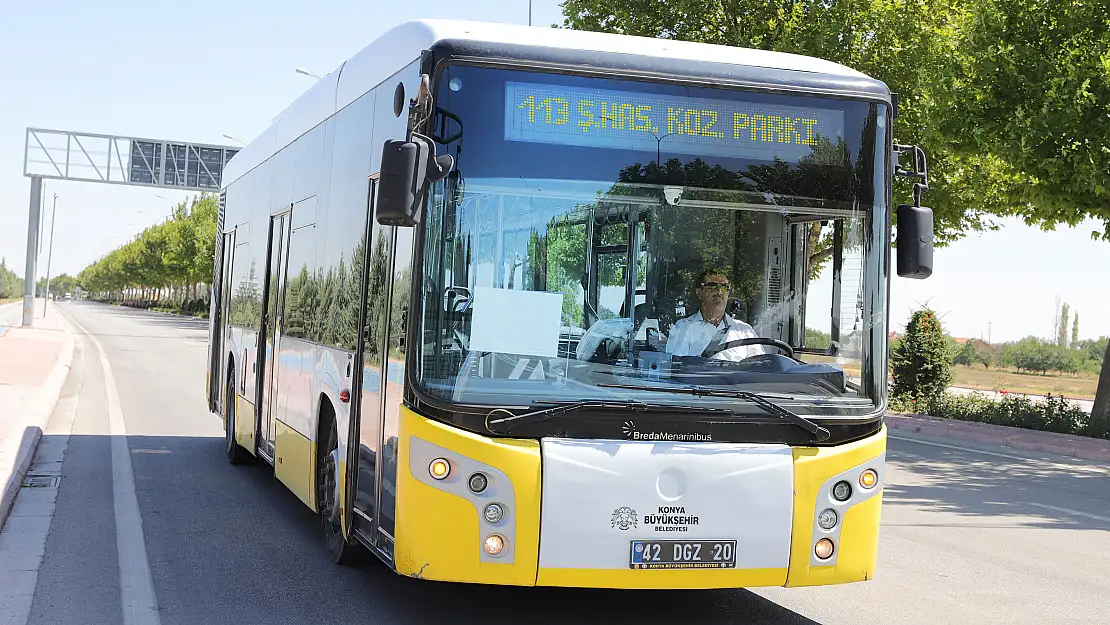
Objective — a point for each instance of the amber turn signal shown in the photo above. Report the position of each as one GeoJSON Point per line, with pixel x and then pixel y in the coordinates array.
{"type": "Point", "coordinates": [439, 468]}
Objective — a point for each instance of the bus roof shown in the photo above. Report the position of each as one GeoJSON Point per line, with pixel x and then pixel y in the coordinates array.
{"type": "Point", "coordinates": [404, 43]}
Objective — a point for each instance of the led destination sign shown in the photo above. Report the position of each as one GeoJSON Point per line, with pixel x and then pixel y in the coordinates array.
{"type": "Point", "coordinates": [632, 120]}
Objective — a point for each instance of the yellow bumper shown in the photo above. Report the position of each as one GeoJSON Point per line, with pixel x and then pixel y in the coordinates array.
{"type": "Point", "coordinates": [439, 534]}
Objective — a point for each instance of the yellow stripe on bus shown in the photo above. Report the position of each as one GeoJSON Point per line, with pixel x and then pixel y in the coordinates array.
{"type": "Point", "coordinates": [244, 423]}
{"type": "Point", "coordinates": [295, 463]}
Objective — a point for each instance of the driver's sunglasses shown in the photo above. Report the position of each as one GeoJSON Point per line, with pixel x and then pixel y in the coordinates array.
{"type": "Point", "coordinates": [723, 286]}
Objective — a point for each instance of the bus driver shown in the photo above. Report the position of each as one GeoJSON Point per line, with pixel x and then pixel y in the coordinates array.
{"type": "Point", "coordinates": [711, 326]}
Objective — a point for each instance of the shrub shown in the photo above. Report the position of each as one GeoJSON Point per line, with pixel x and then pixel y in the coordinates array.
{"type": "Point", "coordinates": [921, 363]}
{"type": "Point", "coordinates": [1053, 414]}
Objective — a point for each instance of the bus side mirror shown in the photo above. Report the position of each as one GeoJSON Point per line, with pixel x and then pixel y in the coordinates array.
{"type": "Point", "coordinates": [406, 171]}
{"type": "Point", "coordinates": [915, 241]}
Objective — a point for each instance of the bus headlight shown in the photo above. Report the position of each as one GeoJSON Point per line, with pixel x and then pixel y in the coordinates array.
{"type": "Point", "coordinates": [842, 491]}
{"type": "Point", "coordinates": [827, 519]}
{"type": "Point", "coordinates": [494, 544]}
{"type": "Point", "coordinates": [824, 549]}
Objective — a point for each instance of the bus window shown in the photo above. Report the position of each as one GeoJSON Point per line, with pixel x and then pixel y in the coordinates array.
{"type": "Point", "coordinates": [680, 272]}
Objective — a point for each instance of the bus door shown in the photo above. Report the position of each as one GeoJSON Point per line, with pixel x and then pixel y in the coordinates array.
{"type": "Point", "coordinates": [365, 435]}
{"type": "Point", "coordinates": [617, 273]}
{"type": "Point", "coordinates": [277, 254]}
{"type": "Point", "coordinates": [222, 322]}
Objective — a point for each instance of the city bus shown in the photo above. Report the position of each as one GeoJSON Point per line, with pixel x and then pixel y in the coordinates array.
{"type": "Point", "coordinates": [540, 307]}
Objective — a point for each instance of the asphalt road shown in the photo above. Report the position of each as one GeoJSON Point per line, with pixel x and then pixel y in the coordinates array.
{"type": "Point", "coordinates": [969, 536]}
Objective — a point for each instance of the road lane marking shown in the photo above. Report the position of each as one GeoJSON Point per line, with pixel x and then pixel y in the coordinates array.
{"type": "Point", "coordinates": [1080, 463]}
{"type": "Point", "coordinates": [1070, 511]}
{"type": "Point", "coordinates": [140, 606]}
{"type": "Point", "coordinates": [956, 447]}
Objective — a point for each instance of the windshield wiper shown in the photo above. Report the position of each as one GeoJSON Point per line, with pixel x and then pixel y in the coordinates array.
{"type": "Point", "coordinates": [820, 433]}
{"type": "Point", "coordinates": [624, 406]}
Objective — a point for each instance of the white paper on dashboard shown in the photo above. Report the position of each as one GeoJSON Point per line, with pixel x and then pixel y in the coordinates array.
{"type": "Point", "coordinates": [507, 321]}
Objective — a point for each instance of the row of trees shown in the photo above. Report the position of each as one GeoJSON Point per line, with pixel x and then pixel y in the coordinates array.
{"type": "Point", "coordinates": [166, 261]}
{"type": "Point", "coordinates": [1035, 354]}
{"type": "Point", "coordinates": [11, 285]}
{"type": "Point", "coordinates": [59, 285]}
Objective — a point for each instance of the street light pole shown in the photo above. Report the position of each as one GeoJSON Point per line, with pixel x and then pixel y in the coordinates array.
{"type": "Point", "coordinates": [658, 143]}
{"type": "Point", "coordinates": [42, 216]}
{"type": "Point", "coordinates": [529, 12]}
{"type": "Point", "coordinates": [50, 254]}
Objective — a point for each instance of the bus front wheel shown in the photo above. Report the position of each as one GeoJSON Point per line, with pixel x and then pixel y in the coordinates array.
{"type": "Point", "coordinates": [327, 488]}
{"type": "Point", "coordinates": [235, 452]}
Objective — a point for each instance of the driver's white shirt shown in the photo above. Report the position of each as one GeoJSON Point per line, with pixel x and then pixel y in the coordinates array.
{"type": "Point", "coordinates": [690, 337]}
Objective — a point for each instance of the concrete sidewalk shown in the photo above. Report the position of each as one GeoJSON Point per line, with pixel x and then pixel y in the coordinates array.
{"type": "Point", "coordinates": [34, 363]}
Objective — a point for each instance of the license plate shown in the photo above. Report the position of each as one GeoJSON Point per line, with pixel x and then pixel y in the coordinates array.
{"type": "Point", "coordinates": [683, 554]}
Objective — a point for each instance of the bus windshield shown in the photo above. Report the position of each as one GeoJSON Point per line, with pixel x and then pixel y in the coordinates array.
{"type": "Point", "coordinates": [598, 236]}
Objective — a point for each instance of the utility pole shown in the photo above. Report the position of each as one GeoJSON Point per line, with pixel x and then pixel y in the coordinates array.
{"type": "Point", "coordinates": [32, 251]}
{"type": "Point", "coordinates": [529, 12]}
{"type": "Point", "coordinates": [50, 254]}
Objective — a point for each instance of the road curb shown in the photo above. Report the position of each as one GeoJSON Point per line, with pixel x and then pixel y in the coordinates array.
{"type": "Point", "coordinates": [22, 448]}
{"type": "Point", "coordinates": [156, 312]}
{"type": "Point", "coordinates": [1003, 435]}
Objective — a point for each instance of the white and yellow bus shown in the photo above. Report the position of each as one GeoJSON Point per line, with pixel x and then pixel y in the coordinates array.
{"type": "Point", "coordinates": [532, 306]}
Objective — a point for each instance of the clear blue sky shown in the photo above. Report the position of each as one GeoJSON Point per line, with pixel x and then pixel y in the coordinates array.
{"type": "Point", "coordinates": [198, 70]}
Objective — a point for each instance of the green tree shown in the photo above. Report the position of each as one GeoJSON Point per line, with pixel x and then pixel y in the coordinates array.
{"type": "Point", "coordinates": [1075, 331]}
{"type": "Point", "coordinates": [1100, 412]}
{"type": "Point", "coordinates": [1034, 85]}
{"type": "Point", "coordinates": [966, 354]}
{"type": "Point", "coordinates": [910, 45]}
{"type": "Point", "coordinates": [1062, 329]}
{"type": "Point", "coordinates": [1010, 97]}
{"type": "Point", "coordinates": [921, 364]}
{"type": "Point", "coordinates": [11, 285]}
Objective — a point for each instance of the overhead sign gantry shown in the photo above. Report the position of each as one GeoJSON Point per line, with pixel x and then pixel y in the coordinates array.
{"type": "Point", "coordinates": [112, 159]}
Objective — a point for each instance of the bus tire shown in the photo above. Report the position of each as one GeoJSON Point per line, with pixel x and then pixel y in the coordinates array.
{"type": "Point", "coordinates": [342, 551]}
{"type": "Point", "coordinates": [234, 451]}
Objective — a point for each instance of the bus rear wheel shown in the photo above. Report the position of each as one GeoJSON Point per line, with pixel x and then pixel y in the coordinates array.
{"type": "Point", "coordinates": [327, 487]}
{"type": "Point", "coordinates": [235, 452]}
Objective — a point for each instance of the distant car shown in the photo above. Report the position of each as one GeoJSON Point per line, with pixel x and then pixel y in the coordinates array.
{"type": "Point", "coordinates": [69, 295]}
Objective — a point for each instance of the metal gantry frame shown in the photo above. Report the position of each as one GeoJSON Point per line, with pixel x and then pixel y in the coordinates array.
{"type": "Point", "coordinates": [118, 159]}
{"type": "Point", "coordinates": [111, 159]}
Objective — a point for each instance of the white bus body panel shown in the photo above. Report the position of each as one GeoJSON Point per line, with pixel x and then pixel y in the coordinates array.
{"type": "Point", "coordinates": [721, 491]}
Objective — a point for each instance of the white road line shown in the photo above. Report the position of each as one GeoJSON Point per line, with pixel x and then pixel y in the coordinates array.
{"type": "Point", "coordinates": [1080, 464]}
{"type": "Point", "coordinates": [956, 447]}
{"type": "Point", "coordinates": [140, 606]}
{"type": "Point", "coordinates": [1070, 511]}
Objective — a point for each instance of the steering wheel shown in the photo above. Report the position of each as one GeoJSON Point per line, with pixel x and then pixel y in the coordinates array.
{"type": "Point", "coordinates": [713, 350]}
